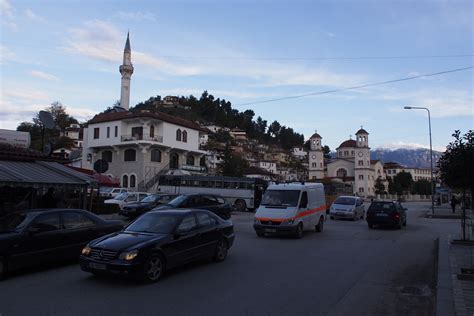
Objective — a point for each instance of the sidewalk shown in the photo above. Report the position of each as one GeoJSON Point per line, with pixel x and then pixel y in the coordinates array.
{"type": "Point", "coordinates": [455, 296]}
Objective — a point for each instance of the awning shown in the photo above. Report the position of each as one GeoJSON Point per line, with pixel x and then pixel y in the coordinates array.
{"type": "Point", "coordinates": [40, 173]}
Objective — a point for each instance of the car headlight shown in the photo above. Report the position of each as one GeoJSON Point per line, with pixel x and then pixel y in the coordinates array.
{"type": "Point", "coordinates": [130, 255]}
{"type": "Point", "coordinates": [86, 250]}
{"type": "Point", "coordinates": [288, 222]}
{"type": "Point", "coordinates": [256, 221]}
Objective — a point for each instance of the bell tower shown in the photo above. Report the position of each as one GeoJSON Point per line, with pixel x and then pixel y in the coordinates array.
{"type": "Point", "coordinates": [126, 70]}
{"type": "Point", "coordinates": [316, 158]}
{"type": "Point", "coordinates": [362, 166]}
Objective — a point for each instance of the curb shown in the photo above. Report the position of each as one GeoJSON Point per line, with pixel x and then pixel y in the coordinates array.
{"type": "Point", "coordinates": [444, 284]}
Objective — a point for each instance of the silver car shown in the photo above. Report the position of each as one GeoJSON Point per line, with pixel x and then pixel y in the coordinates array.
{"type": "Point", "coordinates": [351, 207]}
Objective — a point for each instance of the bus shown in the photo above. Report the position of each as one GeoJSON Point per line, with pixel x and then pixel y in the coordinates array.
{"type": "Point", "coordinates": [242, 192]}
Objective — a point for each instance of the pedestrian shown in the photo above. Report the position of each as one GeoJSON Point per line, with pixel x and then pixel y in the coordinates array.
{"type": "Point", "coordinates": [453, 203]}
{"type": "Point", "coordinates": [48, 200]}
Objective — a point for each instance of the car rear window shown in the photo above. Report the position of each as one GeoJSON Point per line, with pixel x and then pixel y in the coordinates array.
{"type": "Point", "coordinates": [378, 206]}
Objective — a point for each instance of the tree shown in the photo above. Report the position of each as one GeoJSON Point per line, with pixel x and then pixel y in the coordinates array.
{"type": "Point", "coordinates": [327, 152]}
{"type": "Point", "coordinates": [422, 187]}
{"type": "Point", "coordinates": [379, 186]}
{"type": "Point", "coordinates": [233, 165]}
{"type": "Point", "coordinates": [456, 164]}
{"type": "Point", "coordinates": [403, 182]}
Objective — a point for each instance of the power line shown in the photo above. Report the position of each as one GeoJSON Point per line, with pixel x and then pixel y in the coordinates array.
{"type": "Point", "coordinates": [319, 58]}
{"type": "Point", "coordinates": [358, 87]}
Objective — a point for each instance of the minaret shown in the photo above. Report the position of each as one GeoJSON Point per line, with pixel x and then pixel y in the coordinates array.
{"type": "Point", "coordinates": [316, 158]}
{"type": "Point", "coordinates": [126, 69]}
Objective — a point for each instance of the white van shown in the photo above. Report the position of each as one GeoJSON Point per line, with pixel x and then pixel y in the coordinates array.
{"type": "Point", "coordinates": [291, 208]}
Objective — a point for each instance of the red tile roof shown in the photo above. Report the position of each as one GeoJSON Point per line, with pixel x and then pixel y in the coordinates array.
{"type": "Point", "coordinates": [348, 143]}
{"type": "Point", "coordinates": [117, 116]}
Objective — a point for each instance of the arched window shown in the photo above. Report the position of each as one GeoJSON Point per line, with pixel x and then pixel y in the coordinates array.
{"type": "Point", "coordinates": [313, 165]}
{"type": "Point", "coordinates": [133, 181]}
{"type": "Point", "coordinates": [189, 158]}
{"type": "Point", "coordinates": [178, 135]}
{"type": "Point", "coordinates": [361, 177]}
{"type": "Point", "coordinates": [152, 131]}
{"type": "Point", "coordinates": [341, 173]}
{"type": "Point", "coordinates": [130, 155]}
{"type": "Point", "coordinates": [156, 155]}
{"type": "Point", "coordinates": [174, 161]}
{"type": "Point", "coordinates": [185, 136]}
{"type": "Point", "coordinates": [107, 156]}
{"type": "Point", "coordinates": [124, 181]}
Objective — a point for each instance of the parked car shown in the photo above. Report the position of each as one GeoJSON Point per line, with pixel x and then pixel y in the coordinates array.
{"type": "Point", "coordinates": [386, 213]}
{"type": "Point", "coordinates": [136, 209]}
{"type": "Point", "coordinates": [210, 202]}
{"type": "Point", "coordinates": [157, 241]}
{"type": "Point", "coordinates": [127, 198]}
{"type": "Point", "coordinates": [351, 207]}
{"type": "Point", "coordinates": [38, 236]}
{"type": "Point", "coordinates": [111, 192]}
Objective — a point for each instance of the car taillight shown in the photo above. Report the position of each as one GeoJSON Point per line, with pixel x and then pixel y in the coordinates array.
{"type": "Point", "coordinates": [396, 215]}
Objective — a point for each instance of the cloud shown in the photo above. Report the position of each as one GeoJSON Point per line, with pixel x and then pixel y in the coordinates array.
{"type": "Point", "coordinates": [43, 75]}
{"type": "Point", "coordinates": [7, 14]}
{"type": "Point", "coordinates": [33, 16]}
{"type": "Point", "coordinates": [135, 16]}
{"type": "Point", "coordinates": [103, 41]}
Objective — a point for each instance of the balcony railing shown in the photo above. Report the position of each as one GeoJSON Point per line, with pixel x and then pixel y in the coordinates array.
{"type": "Point", "coordinates": [193, 168]}
{"type": "Point", "coordinates": [134, 138]}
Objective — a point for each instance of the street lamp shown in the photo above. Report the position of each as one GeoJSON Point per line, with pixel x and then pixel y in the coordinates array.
{"type": "Point", "coordinates": [431, 151]}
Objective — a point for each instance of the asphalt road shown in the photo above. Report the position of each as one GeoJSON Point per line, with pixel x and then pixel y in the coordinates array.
{"type": "Point", "coordinates": [345, 270]}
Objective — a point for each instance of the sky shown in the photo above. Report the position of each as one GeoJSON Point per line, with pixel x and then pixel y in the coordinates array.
{"type": "Point", "coordinates": [247, 52]}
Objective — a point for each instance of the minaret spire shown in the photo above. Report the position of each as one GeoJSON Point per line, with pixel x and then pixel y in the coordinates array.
{"type": "Point", "coordinates": [126, 69]}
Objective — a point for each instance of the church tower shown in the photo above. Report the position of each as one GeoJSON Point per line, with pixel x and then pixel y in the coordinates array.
{"type": "Point", "coordinates": [316, 158]}
{"type": "Point", "coordinates": [362, 166]}
{"type": "Point", "coordinates": [126, 69]}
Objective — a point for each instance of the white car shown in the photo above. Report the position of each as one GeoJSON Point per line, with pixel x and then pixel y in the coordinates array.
{"type": "Point", "coordinates": [111, 192]}
{"type": "Point", "coordinates": [351, 207]}
{"type": "Point", "coordinates": [126, 198]}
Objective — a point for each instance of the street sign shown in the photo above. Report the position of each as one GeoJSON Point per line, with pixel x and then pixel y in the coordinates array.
{"type": "Point", "coordinates": [101, 166]}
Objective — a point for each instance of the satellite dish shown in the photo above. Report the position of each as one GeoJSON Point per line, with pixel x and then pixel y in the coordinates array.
{"type": "Point", "coordinates": [47, 119]}
{"type": "Point", "coordinates": [47, 149]}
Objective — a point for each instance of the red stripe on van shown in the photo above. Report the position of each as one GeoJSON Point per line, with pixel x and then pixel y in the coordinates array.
{"type": "Point", "coordinates": [302, 214]}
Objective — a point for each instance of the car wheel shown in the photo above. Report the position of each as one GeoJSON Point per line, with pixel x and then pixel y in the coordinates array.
{"type": "Point", "coordinates": [240, 206]}
{"type": "Point", "coordinates": [221, 251]}
{"type": "Point", "coordinates": [405, 223]}
{"type": "Point", "coordinates": [154, 268]}
{"type": "Point", "coordinates": [260, 234]}
{"type": "Point", "coordinates": [319, 228]}
{"type": "Point", "coordinates": [299, 231]}
{"type": "Point", "coordinates": [332, 217]}
{"type": "Point", "coordinates": [362, 216]}
{"type": "Point", "coordinates": [3, 268]}
{"type": "Point", "coordinates": [354, 218]}
{"type": "Point", "coordinates": [370, 225]}
{"type": "Point", "coordinates": [399, 224]}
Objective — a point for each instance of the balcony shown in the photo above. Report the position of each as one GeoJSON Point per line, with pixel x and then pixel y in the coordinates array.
{"type": "Point", "coordinates": [135, 138]}
{"type": "Point", "coordinates": [193, 168]}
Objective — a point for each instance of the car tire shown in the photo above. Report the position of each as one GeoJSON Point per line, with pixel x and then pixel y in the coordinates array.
{"type": "Point", "coordinates": [362, 216]}
{"type": "Point", "coordinates": [3, 268]}
{"type": "Point", "coordinates": [221, 251]}
{"type": "Point", "coordinates": [153, 268]}
{"type": "Point", "coordinates": [354, 218]}
{"type": "Point", "coordinates": [331, 217]}
{"type": "Point", "coordinates": [405, 223]}
{"type": "Point", "coordinates": [260, 234]}
{"type": "Point", "coordinates": [299, 231]}
{"type": "Point", "coordinates": [370, 225]}
{"type": "Point", "coordinates": [319, 228]}
{"type": "Point", "coordinates": [399, 224]}
{"type": "Point", "coordinates": [240, 206]}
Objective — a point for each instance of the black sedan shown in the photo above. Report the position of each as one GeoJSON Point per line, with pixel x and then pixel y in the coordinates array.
{"type": "Point", "coordinates": [147, 204]}
{"type": "Point", "coordinates": [386, 213]}
{"type": "Point", "coordinates": [159, 240]}
{"type": "Point", "coordinates": [48, 235]}
{"type": "Point", "coordinates": [214, 203]}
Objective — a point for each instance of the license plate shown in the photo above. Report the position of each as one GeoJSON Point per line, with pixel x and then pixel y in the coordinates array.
{"type": "Point", "coordinates": [97, 266]}
{"type": "Point", "coordinates": [270, 230]}
{"type": "Point", "coordinates": [382, 215]}
{"type": "Point", "coordinates": [341, 213]}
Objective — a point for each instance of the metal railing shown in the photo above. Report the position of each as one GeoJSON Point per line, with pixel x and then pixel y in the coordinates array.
{"type": "Point", "coordinates": [134, 138]}
{"type": "Point", "coordinates": [193, 168]}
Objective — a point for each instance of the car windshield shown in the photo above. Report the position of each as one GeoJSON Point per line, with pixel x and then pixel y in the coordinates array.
{"type": "Point", "coordinates": [151, 199]}
{"type": "Point", "coordinates": [281, 198]}
{"type": "Point", "coordinates": [121, 196]}
{"type": "Point", "coordinates": [105, 190]}
{"type": "Point", "coordinates": [177, 201]}
{"type": "Point", "coordinates": [345, 201]}
{"type": "Point", "coordinates": [157, 223]}
{"type": "Point", "coordinates": [12, 222]}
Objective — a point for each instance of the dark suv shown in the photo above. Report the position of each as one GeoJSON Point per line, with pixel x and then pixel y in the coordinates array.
{"type": "Point", "coordinates": [136, 209]}
{"type": "Point", "coordinates": [386, 213]}
{"type": "Point", "coordinates": [214, 203]}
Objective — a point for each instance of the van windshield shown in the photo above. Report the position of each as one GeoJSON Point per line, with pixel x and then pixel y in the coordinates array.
{"type": "Point", "coordinates": [281, 198]}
